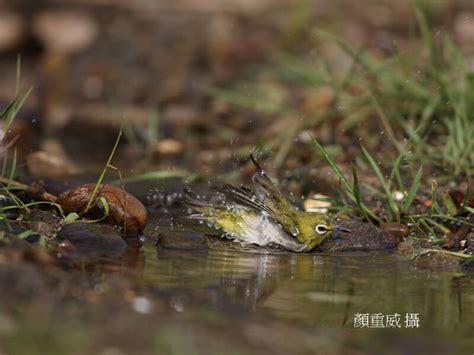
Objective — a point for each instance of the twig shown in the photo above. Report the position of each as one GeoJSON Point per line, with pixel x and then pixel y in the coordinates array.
{"type": "Point", "coordinates": [43, 195]}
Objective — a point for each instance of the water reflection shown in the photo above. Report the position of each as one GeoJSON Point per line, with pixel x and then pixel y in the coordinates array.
{"type": "Point", "coordinates": [314, 289]}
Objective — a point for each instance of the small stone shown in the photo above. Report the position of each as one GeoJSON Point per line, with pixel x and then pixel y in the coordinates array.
{"type": "Point", "coordinates": [182, 240]}
{"type": "Point", "coordinates": [398, 230]}
{"type": "Point", "coordinates": [96, 236]}
{"type": "Point", "coordinates": [41, 164]}
{"type": "Point", "coordinates": [142, 305]}
{"type": "Point", "coordinates": [428, 203]}
{"type": "Point", "coordinates": [65, 31]}
{"type": "Point", "coordinates": [167, 146]}
{"type": "Point", "coordinates": [12, 30]}
{"type": "Point", "coordinates": [125, 210]}
{"type": "Point", "coordinates": [362, 237]}
{"type": "Point", "coordinates": [65, 248]}
{"type": "Point", "coordinates": [398, 195]}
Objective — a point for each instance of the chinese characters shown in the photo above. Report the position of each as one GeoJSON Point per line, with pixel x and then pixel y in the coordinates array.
{"type": "Point", "coordinates": [379, 320]}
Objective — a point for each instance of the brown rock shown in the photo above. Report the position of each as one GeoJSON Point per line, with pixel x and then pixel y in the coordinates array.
{"type": "Point", "coordinates": [363, 237]}
{"type": "Point", "coordinates": [126, 211]}
{"type": "Point", "coordinates": [406, 248]}
{"type": "Point", "coordinates": [437, 262]}
{"type": "Point", "coordinates": [397, 230]}
{"type": "Point", "coordinates": [92, 237]}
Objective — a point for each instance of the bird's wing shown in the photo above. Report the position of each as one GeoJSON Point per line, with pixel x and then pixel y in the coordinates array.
{"type": "Point", "coordinates": [266, 198]}
{"type": "Point", "coordinates": [263, 181]}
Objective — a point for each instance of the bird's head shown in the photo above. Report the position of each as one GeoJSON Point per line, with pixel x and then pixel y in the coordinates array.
{"type": "Point", "coordinates": [315, 227]}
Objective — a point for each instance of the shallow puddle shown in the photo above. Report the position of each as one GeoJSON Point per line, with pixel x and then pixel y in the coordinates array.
{"type": "Point", "coordinates": [314, 289]}
{"type": "Point", "coordinates": [153, 300]}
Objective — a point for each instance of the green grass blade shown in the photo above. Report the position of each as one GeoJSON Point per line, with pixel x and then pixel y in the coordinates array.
{"type": "Point", "coordinates": [7, 109]}
{"type": "Point", "coordinates": [388, 195]}
{"type": "Point", "coordinates": [154, 176]}
{"type": "Point", "coordinates": [335, 168]}
{"type": "Point", "coordinates": [104, 171]}
{"type": "Point", "coordinates": [408, 200]}
{"type": "Point", "coordinates": [356, 187]}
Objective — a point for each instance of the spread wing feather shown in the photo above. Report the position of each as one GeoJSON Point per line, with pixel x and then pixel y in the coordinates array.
{"type": "Point", "coordinates": [249, 198]}
{"type": "Point", "coordinates": [267, 199]}
{"type": "Point", "coordinates": [264, 182]}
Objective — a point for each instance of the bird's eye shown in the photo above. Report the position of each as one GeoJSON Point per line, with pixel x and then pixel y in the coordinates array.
{"type": "Point", "coordinates": [321, 229]}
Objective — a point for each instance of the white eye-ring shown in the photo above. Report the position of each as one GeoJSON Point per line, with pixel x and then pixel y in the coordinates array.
{"type": "Point", "coordinates": [321, 229]}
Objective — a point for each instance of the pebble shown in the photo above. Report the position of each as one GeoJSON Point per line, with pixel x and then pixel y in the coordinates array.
{"type": "Point", "coordinates": [93, 236]}
{"type": "Point", "coordinates": [398, 230]}
{"type": "Point", "coordinates": [168, 147]}
{"type": "Point", "coordinates": [142, 305]}
{"type": "Point", "coordinates": [182, 240]}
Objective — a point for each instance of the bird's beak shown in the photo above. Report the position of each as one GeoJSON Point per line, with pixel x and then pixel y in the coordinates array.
{"type": "Point", "coordinates": [342, 229]}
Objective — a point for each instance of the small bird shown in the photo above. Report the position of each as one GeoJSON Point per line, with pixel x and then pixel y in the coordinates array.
{"type": "Point", "coordinates": [263, 216]}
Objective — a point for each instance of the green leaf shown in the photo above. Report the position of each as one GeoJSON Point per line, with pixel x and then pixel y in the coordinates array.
{"type": "Point", "coordinates": [408, 200]}
{"type": "Point", "coordinates": [43, 241]}
{"type": "Point", "coordinates": [26, 234]}
{"type": "Point", "coordinates": [71, 217]}
{"type": "Point", "coordinates": [449, 203]}
{"type": "Point", "coordinates": [105, 206]}
{"type": "Point", "coordinates": [469, 209]}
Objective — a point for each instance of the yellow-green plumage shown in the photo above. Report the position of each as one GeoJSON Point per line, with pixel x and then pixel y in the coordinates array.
{"type": "Point", "coordinates": [262, 215]}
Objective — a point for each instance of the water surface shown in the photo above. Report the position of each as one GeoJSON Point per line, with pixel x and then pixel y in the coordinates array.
{"type": "Point", "coordinates": [315, 289]}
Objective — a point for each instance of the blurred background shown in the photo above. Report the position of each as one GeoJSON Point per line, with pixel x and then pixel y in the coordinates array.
{"type": "Point", "coordinates": [199, 84]}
